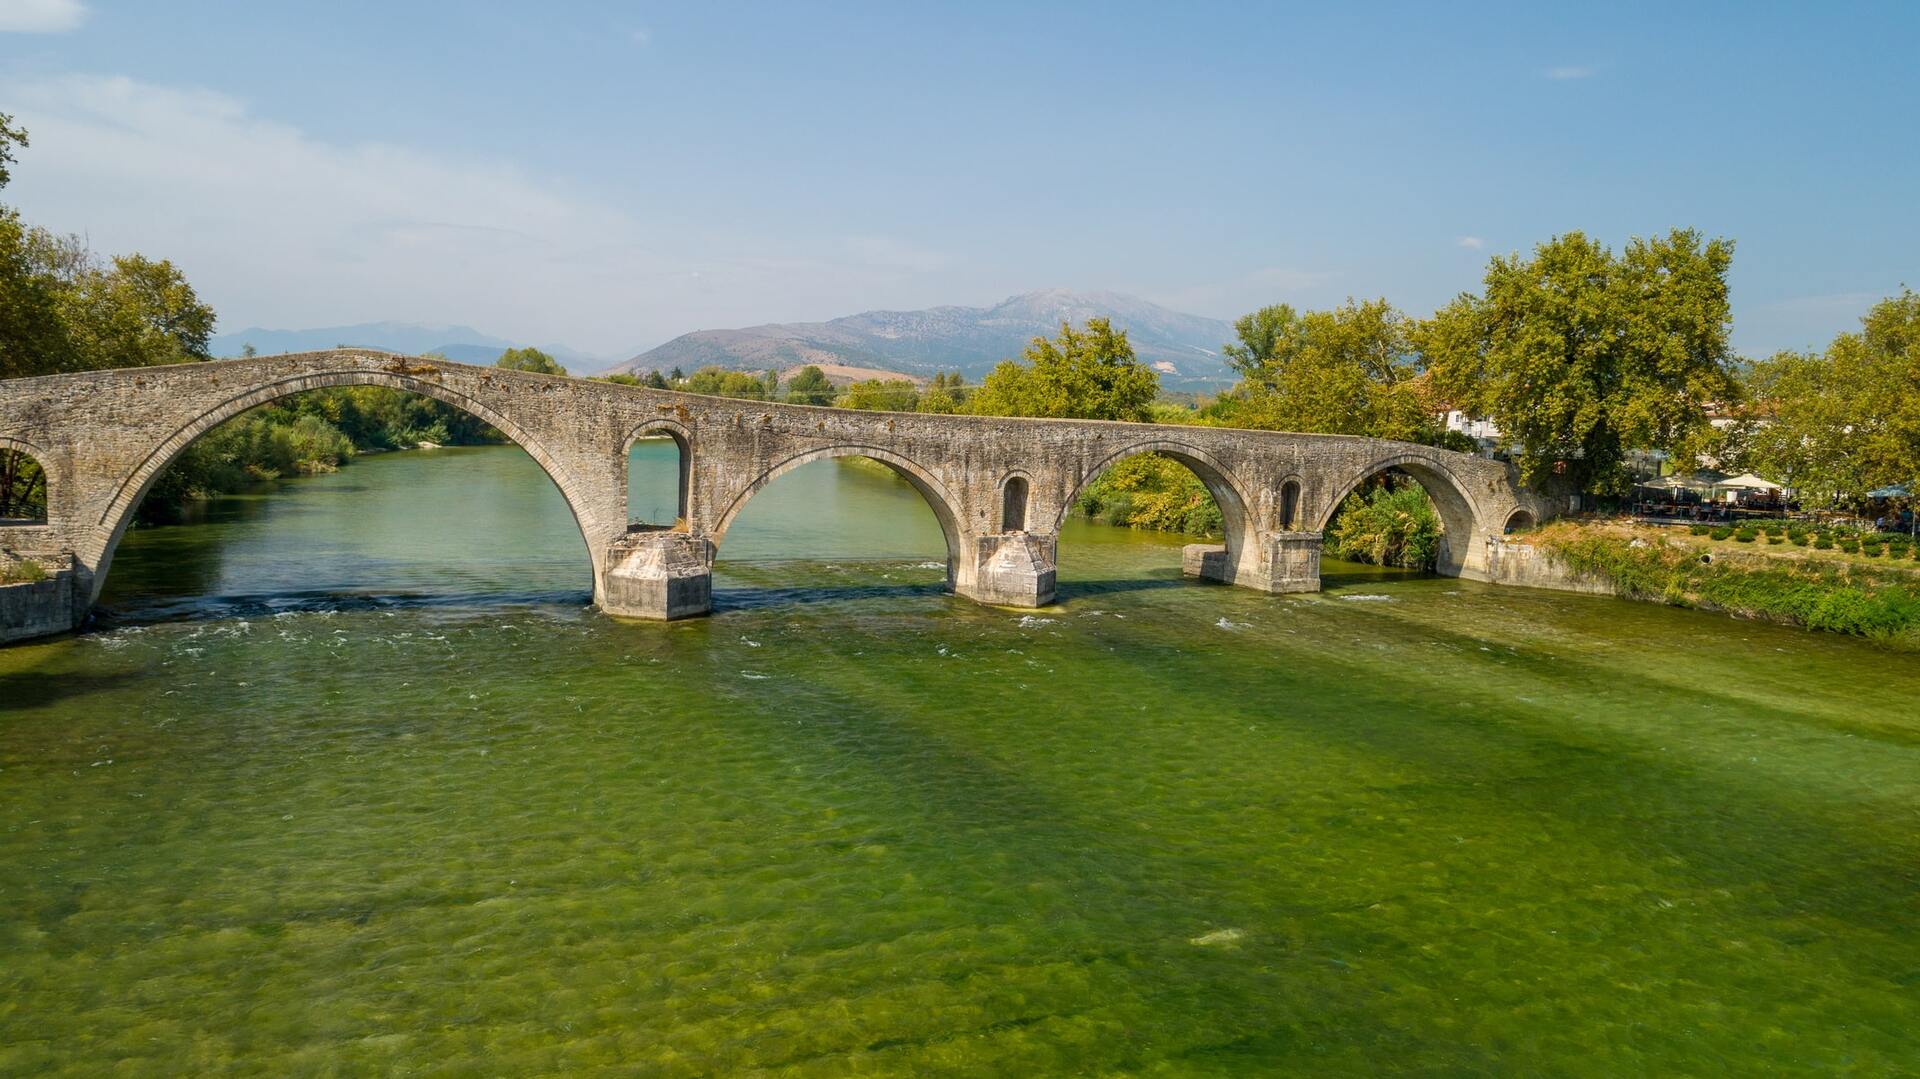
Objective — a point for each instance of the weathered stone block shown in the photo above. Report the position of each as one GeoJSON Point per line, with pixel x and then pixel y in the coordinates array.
{"type": "Point", "coordinates": [658, 575]}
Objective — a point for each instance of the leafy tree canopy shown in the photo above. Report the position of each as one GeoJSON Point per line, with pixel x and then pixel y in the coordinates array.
{"type": "Point", "coordinates": [529, 359]}
{"type": "Point", "coordinates": [1082, 374]}
{"type": "Point", "coordinates": [720, 382]}
{"type": "Point", "coordinates": [10, 137]}
{"type": "Point", "coordinates": [810, 386]}
{"type": "Point", "coordinates": [1352, 370]}
{"type": "Point", "coordinates": [1580, 355]}
{"type": "Point", "coordinates": [882, 394]}
{"type": "Point", "coordinates": [1841, 423]}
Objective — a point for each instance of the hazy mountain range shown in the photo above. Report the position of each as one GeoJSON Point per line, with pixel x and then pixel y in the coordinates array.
{"type": "Point", "coordinates": [462, 344]}
{"type": "Point", "coordinates": [1184, 349]}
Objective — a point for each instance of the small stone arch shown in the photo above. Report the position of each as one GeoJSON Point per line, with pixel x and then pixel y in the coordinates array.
{"type": "Point", "coordinates": [1234, 516]}
{"type": "Point", "coordinates": [26, 485]}
{"type": "Point", "coordinates": [1286, 510]}
{"type": "Point", "coordinates": [682, 437]}
{"type": "Point", "coordinates": [113, 522]}
{"type": "Point", "coordinates": [946, 508]}
{"type": "Point", "coordinates": [1016, 494]}
{"type": "Point", "coordinates": [1460, 513]}
{"type": "Point", "coordinates": [1518, 521]}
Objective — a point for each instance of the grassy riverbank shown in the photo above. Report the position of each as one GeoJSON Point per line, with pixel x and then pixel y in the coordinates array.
{"type": "Point", "coordinates": [1831, 589]}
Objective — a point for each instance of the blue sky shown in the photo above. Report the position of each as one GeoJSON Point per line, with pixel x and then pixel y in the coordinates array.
{"type": "Point", "coordinates": [610, 175]}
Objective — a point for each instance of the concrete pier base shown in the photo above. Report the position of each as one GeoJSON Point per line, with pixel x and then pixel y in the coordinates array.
{"type": "Point", "coordinates": [658, 575]}
{"type": "Point", "coordinates": [1279, 562]}
{"type": "Point", "coordinates": [1009, 569]}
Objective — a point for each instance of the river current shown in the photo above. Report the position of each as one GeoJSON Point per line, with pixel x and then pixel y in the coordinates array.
{"type": "Point", "coordinates": [350, 778]}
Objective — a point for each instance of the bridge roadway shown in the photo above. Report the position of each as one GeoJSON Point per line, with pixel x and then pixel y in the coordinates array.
{"type": "Point", "coordinates": [1000, 487]}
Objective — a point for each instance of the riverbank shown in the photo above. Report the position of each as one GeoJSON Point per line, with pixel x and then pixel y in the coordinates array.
{"type": "Point", "coordinates": [1765, 578]}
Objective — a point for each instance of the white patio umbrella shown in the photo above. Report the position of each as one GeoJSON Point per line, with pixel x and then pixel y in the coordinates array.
{"type": "Point", "coordinates": [1747, 481]}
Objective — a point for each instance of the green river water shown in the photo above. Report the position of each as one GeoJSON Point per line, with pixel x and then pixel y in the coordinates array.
{"type": "Point", "coordinates": [350, 779]}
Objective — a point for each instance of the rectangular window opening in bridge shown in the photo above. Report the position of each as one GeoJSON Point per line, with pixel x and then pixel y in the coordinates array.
{"type": "Point", "coordinates": [1013, 505]}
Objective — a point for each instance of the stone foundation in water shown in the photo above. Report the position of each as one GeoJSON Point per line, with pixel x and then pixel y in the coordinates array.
{"type": "Point", "coordinates": [39, 608]}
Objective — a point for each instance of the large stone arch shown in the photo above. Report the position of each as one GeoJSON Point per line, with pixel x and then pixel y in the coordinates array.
{"type": "Point", "coordinates": [1236, 518]}
{"type": "Point", "coordinates": [1461, 515]}
{"type": "Point", "coordinates": [111, 527]}
{"type": "Point", "coordinates": [683, 439]}
{"type": "Point", "coordinates": [946, 508]}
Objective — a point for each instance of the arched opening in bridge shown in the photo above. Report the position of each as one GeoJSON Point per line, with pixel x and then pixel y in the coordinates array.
{"type": "Point", "coordinates": [1289, 505]}
{"type": "Point", "coordinates": [1013, 504]}
{"type": "Point", "coordinates": [659, 475]}
{"type": "Point", "coordinates": [1518, 521]}
{"type": "Point", "coordinates": [23, 488]}
{"type": "Point", "coordinates": [1130, 521]}
{"type": "Point", "coordinates": [836, 523]}
{"type": "Point", "coordinates": [1403, 516]}
{"type": "Point", "coordinates": [351, 494]}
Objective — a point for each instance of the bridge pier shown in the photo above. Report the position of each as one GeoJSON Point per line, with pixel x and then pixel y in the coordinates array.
{"type": "Point", "coordinates": [658, 575]}
{"type": "Point", "coordinates": [1279, 562]}
{"type": "Point", "coordinates": [1007, 569]}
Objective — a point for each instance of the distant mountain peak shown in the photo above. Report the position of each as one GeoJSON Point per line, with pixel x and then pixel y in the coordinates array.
{"type": "Point", "coordinates": [971, 340]}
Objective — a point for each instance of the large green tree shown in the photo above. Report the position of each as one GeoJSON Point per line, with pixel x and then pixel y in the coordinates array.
{"type": "Point", "coordinates": [1838, 424]}
{"type": "Point", "coordinates": [1352, 370]}
{"type": "Point", "coordinates": [1580, 355]}
{"type": "Point", "coordinates": [529, 359]}
{"type": "Point", "coordinates": [810, 386]}
{"type": "Point", "coordinates": [720, 382]}
{"type": "Point", "coordinates": [1082, 374]}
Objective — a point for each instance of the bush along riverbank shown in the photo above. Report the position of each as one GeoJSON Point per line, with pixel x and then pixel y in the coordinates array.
{"type": "Point", "coordinates": [1387, 525]}
{"type": "Point", "coordinates": [305, 434]}
{"type": "Point", "coordinates": [1773, 580]}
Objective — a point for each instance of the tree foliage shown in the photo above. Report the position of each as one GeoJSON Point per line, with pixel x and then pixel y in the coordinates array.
{"type": "Point", "coordinates": [529, 359]}
{"type": "Point", "coordinates": [1352, 370]}
{"type": "Point", "coordinates": [947, 393]}
{"type": "Point", "coordinates": [10, 137]}
{"type": "Point", "coordinates": [881, 394]}
{"type": "Point", "coordinates": [1580, 355]}
{"type": "Point", "coordinates": [720, 382]}
{"type": "Point", "coordinates": [1083, 374]}
{"type": "Point", "coordinates": [1392, 524]}
{"type": "Point", "coordinates": [810, 386]}
{"type": "Point", "coordinates": [1838, 424]}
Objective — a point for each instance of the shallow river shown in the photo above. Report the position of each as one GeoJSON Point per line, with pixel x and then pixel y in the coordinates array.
{"type": "Point", "coordinates": [351, 779]}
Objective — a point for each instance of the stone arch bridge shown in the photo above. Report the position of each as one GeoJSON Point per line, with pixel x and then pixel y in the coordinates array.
{"type": "Point", "coordinates": [999, 487]}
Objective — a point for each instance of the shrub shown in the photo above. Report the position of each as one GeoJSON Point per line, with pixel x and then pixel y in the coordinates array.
{"type": "Point", "coordinates": [25, 571]}
{"type": "Point", "coordinates": [1745, 535]}
{"type": "Point", "coordinates": [1776, 537]}
{"type": "Point", "coordinates": [1823, 542]}
{"type": "Point", "coordinates": [1873, 550]}
{"type": "Point", "coordinates": [1152, 492]}
{"type": "Point", "coordinates": [1800, 539]}
{"type": "Point", "coordinates": [1699, 529]}
{"type": "Point", "coordinates": [1722, 532]}
{"type": "Point", "coordinates": [1387, 527]}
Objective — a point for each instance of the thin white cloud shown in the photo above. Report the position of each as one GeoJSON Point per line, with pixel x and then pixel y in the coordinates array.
{"type": "Point", "coordinates": [41, 16]}
{"type": "Point", "coordinates": [1471, 243]}
{"type": "Point", "coordinates": [1570, 72]}
{"type": "Point", "coordinates": [278, 228]}
{"type": "Point", "coordinates": [641, 36]}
